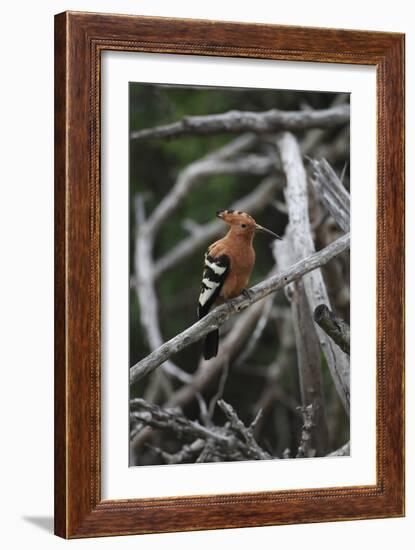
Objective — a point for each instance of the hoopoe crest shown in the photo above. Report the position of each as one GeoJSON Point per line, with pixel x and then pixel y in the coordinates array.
{"type": "Point", "coordinates": [228, 266]}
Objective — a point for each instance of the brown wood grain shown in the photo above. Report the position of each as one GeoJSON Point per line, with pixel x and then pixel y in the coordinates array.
{"type": "Point", "coordinates": [79, 40]}
{"type": "Point", "coordinates": [60, 509]}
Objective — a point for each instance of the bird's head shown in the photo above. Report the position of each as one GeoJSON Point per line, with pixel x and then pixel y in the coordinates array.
{"type": "Point", "coordinates": [242, 223]}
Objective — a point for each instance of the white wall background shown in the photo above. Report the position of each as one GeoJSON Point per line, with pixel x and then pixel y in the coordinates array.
{"type": "Point", "coordinates": [26, 244]}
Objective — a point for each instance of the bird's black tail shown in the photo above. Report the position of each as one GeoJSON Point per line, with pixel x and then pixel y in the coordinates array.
{"type": "Point", "coordinates": [211, 344]}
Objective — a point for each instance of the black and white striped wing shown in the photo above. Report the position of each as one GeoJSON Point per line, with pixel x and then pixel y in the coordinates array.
{"type": "Point", "coordinates": [214, 274]}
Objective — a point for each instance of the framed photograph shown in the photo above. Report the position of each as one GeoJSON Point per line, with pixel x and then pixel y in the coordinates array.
{"type": "Point", "coordinates": [229, 275]}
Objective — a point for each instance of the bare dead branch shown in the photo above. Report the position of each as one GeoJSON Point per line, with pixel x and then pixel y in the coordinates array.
{"type": "Point", "coordinates": [336, 149]}
{"type": "Point", "coordinates": [254, 451]}
{"type": "Point", "coordinates": [332, 193]}
{"type": "Point", "coordinates": [229, 347]}
{"type": "Point", "coordinates": [297, 202]}
{"type": "Point", "coordinates": [343, 451]}
{"type": "Point", "coordinates": [157, 417]}
{"type": "Point", "coordinates": [244, 121]}
{"type": "Point", "coordinates": [233, 441]}
{"type": "Point", "coordinates": [221, 161]}
{"type": "Point", "coordinates": [305, 450]}
{"type": "Point", "coordinates": [159, 387]}
{"type": "Point", "coordinates": [257, 333]}
{"type": "Point", "coordinates": [208, 370]}
{"type": "Point", "coordinates": [221, 388]}
{"type": "Point", "coordinates": [203, 409]}
{"type": "Point", "coordinates": [222, 313]}
{"type": "Point", "coordinates": [336, 328]}
{"type": "Point", "coordinates": [273, 391]}
{"type": "Point", "coordinates": [253, 425]}
{"type": "Point", "coordinates": [145, 290]}
{"type": "Point", "coordinates": [307, 345]}
{"type": "Point", "coordinates": [187, 453]}
{"type": "Point", "coordinates": [317, 135]}
{"type": "Point", "coordinates": [209, 454]}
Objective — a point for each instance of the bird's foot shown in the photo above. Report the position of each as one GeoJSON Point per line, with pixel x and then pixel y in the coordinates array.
{"type": "Point", "coordinates": [247, 293]}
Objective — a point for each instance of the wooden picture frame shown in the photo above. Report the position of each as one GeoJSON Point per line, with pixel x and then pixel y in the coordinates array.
{"type": "Point", "coordinates": [79, 40]}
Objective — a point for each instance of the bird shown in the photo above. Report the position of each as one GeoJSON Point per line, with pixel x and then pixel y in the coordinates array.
{"type": "Point", "coordinates": [227, 268]}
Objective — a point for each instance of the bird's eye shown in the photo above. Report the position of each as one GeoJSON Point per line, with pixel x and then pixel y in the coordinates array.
{"type": "Point", "coordinates": [243, 225]}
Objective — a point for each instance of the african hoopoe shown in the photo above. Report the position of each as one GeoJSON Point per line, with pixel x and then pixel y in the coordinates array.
{"type": "Point", "coordinates": [228, 266]}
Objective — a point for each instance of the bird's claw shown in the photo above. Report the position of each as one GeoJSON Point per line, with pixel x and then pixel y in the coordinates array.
{"type": "Point", "coordinates": [247, 294]}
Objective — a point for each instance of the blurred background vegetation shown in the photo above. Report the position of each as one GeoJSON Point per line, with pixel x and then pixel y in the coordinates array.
{"type": "Point", "coordinates": [154, 167]}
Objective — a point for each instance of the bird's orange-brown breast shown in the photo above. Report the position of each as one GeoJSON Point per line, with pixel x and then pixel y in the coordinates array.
{"type": "Point", "coordinates": [242, 259]}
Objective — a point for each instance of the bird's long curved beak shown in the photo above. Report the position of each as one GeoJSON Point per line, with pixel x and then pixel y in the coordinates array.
{"type": "Point", "coordinates": [265, 230]}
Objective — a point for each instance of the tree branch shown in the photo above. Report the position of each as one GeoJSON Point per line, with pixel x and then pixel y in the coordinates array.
{"type": "Point", "coordinates": [146, 293]}
{"type": "Point", "coordinates": [257, 332]}
{"type": "Point", "coordinates": [254, 451]}
{"type": "Point", "coordinates": [343, 451]}
{"type": "Point", "coordinates": [336, 328]}
{"type": "Point", "coordinates": [160, 418]}
{"type": "Point", "coordinates": [315, 136]}
{"type": "Point", "coordinates": [208, 370]}
{"type": "Point", "coordinates": [229, 348]}
{"type": "Point", "coordinates": [220, 161]}
{"type": "Point", "coordinates": [273, 374]}
{"type": "Point", "coordinates": [305, 450]}
{"type": "Point", "coordinates": [315, 288]}
{"type": "Point", "coordinates": [187, 453]}
{"type": "Point", "coordinates": [243, 121]}
{"type": "Point", "coordinates": [332, 192]}
{"type": "Point", "coordinates": [233, 441]}
{"type": "Point", "coordinates": [308, 347]}
{"type": "Point", "coordinates": [336, 149]}
{"type": "Point", "coordinates": [217, 317]}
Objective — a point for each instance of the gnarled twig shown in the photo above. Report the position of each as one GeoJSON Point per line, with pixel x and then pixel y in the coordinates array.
{"type": "Point", "coordinates": [233, 441]}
